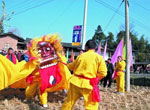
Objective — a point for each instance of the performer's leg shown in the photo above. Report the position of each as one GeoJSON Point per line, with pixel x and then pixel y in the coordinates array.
{"type": "Point", "coordinates": [105, 81]}
{"type": "Point", "coordinates": [73, 95]}
{"type": "Point", "coordinates": [31, 90]}
{"type": "Point", "coordinates": [110, 80]}
{"type": "Point", "coordinates": [121, 84]}
{"type": "Point", "coordinates": [88, 103]}
{"type": "Point", "coordinates": [43, 97]}
{"type": "Point", "coordinates": [118, 83]}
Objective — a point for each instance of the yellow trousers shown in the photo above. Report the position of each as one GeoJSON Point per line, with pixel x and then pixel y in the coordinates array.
{"type": "Point", "coordinates": [74, 93]}
{"type": "Point", "coordinates": [31, 91]}
{"type": "Point", "coordinates": [120, 79]}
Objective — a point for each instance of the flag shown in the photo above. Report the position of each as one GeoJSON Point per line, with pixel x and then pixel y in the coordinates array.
{"type": "Point", "coordinates": [105, 48]}
{"type": "Point", "coordinates": [67, 54]}
{"type": "Point", "coordinates": [99, 49]}
{"type": "Point", "coordinates": [130, 54]}
{"type": "Point", "coordinates": [124, 52]}
{"type": "Point", "coordinates": [72, 56]}
{"type": "Point", "coordinates": [118, 52]}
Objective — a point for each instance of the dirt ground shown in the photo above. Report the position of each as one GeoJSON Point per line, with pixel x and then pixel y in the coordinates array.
{"type": "Point", "coordinates": [137, 99]}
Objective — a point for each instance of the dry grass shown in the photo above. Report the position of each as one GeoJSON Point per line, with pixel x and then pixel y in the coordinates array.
{"type": "Point", "coordinates": [137, 99]}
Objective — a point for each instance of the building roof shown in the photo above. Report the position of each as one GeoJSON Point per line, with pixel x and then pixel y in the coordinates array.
{"type": "Point", "coordinates": [12, 35]}
{"type": "Point", "coordinates": [69, 45]}
{"type": "Point", "coordinates": [28, 40]}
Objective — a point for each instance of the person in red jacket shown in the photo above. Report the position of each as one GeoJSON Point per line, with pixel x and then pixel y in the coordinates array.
{"type": "Point", "coordinates": [11, 56]}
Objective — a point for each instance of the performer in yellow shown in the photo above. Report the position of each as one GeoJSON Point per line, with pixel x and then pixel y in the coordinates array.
{"type": "Point", "coordinates": [87, 69]}
{"type": "Point", "coordinates": [120, 77]}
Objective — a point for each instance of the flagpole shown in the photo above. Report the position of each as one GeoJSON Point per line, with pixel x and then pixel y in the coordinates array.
{"type": "Point", "coordinates": [127, 47]}
{"type": "Point", "coordinates": [84, 24]}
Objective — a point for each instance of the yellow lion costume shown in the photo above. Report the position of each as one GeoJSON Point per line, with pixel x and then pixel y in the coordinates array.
{"type": "Point", "coordinates": [46, 69]}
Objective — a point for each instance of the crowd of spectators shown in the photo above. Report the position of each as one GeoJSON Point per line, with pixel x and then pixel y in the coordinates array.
{"type": "Point", "coordinates": [20, 55]}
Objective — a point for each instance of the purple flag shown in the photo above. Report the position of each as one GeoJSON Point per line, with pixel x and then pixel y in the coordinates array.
{"type": "Point", "coordinates": [99, 49]}
{"type": "Point", "coordinates": [105, 48]}
{"type": "Point", "coordinates": [118, 52]}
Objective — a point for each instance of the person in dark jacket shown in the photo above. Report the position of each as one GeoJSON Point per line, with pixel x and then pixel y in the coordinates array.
{"type": "Point", "coordinates": [110, 70]}
{"type": "Point", "coordinates": [3, 53]}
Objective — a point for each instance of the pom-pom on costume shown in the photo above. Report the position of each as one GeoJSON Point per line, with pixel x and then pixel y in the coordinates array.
{"type": "Point", "coordinates": [88, 69]}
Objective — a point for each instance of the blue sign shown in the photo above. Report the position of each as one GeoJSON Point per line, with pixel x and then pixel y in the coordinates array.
{"type": "Point", "coordinates": [76, 35]}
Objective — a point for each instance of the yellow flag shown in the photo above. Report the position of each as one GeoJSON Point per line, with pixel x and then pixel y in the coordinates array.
{"type": "Point", "coordinates": [124, 52]}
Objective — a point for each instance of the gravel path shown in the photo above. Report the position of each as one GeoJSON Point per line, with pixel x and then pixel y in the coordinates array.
{"type": "Point", "coordinates": [137, 99]}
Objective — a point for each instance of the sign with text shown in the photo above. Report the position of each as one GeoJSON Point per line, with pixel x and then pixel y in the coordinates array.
{"type": "Point", "coordinates": [76, 39]}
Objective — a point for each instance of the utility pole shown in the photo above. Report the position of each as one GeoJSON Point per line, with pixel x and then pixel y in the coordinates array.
{"type": "Point", "coordinates": [127, 46]}
{"type": "Point", "coordinates": [84, 24]}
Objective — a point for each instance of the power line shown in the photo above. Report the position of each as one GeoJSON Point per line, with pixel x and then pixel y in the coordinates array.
{"type": "Point", "coordinates": [113, 16]}
{"type": "Point", "coordinates": [18, 5]}
{"type": "Point", "coordinates": [33, 7]}
{"type": "Point", "coordinates": [61, 14]}
{"type": "Point", "coordinates": [120, 13]}
{"type": "Point", "coordinates": [109, 6]}
{"type": "Point", "coordinates": [22, 6]}
{"type": "Point", "coordinates": [146, 9]}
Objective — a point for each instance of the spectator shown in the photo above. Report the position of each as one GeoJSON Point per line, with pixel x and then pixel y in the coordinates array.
{"type": "Point", "coordinates": [25, 57]}
{"type": "Point", "coordinates": [3, 52]}
{"type": "Point", "coordinates": [19, 54]}
{"type": "Point", "coordinates": [110, 70]}
{"type": "Point", "coordinates": [11, 56]}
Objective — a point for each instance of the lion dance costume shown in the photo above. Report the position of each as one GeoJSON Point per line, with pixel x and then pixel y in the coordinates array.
{"type": "Point", "coordinates": [46, 69]}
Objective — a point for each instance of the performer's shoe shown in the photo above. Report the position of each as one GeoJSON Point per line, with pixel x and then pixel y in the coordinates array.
{"type": "Point", "coordinates": [120, 93]}
{"type": "Point", "coordinates": [25, 100]}
{"type": "Point", "coordinates": [45, 106]}
{"type": "Point", "coordinates": [81, 98]}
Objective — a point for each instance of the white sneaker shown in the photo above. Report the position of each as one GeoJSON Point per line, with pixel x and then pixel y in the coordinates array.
{"type": "Point", "coordinates": [81, 98]}
{"type": "Point", "coordinates": [25, 100]}
{"type": "Point", "coordinates": [65, 91]}
{"type": "Point", "coordinates": [45, 106]}
{"type": "Point", "coordinates": [120, 93]}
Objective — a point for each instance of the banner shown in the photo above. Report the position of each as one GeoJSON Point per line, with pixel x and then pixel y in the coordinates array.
{"type": "Point", "coordinates": [105, 48]}
{"type": "Point", "coordinates": [121, 51]}
{"type": "Point", "coordinates": [99, 49]}
{"type": "Point", "coordinates": [130, 53]}
{"type": "Point", "coordinates": [76, 35]}
{"type": "Point", "coordinates": [118, 52]}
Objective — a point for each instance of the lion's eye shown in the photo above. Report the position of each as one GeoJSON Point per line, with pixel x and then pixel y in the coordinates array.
{"type": "Point", "coordinates": [48, 49]}
{"type": "Point", "coordinates": [39, 51]}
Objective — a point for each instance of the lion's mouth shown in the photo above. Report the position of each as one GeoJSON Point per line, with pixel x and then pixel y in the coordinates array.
{"type": "Point", "coordinates": [48, 62]}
